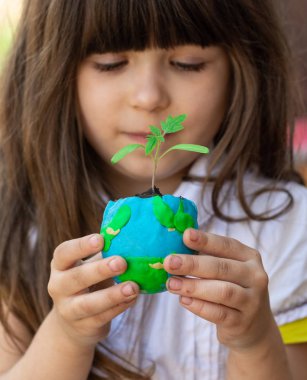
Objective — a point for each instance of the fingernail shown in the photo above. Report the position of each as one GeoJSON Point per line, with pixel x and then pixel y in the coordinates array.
{"type": "Point", "coordinates": [186, 300]}
{"type": "Point", "coordinates": [175, 262]}
{"type": "Point", "coordinates": [128, 290]}
{"type": "Point", "coordinates": [95, 241]}
{"type": "Point", "coordinates": [174, 284]}
{"type": "Point", "coordinates": [194, 234]}
{"type": "Point", "coordinates": [116, 264]}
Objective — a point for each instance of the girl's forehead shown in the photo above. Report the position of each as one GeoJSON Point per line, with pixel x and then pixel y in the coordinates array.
{"type": "Point", "coordinates": [117, 25]}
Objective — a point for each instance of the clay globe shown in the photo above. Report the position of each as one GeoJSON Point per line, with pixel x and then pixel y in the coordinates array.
{"type": "Point", "coordinates": [144, 230]}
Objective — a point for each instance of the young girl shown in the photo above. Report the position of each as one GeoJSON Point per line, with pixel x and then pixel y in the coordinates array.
{"type": "Point", "coordinates": [84, 79]}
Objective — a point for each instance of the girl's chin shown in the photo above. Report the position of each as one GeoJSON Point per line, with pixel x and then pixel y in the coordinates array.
{"type": "Point", "coordinates": [135, 168]}
{"type": "Point", "coordinates": [131, 178]}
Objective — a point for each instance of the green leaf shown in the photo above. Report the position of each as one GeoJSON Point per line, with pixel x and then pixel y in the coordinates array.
{"type": "Point", "coordinates": [151, 144]}
{"type": "Point", "coordinates": [188, 147]}
{"type": "Point", "coordinates": [173, 124]}
{"type": "Point", "coordinates": [157, 133]}
{"type": "Point", "coordinates": [163, 125]}
{"type": "Point", "coordinates": [155, 130]}
{"type": "Point", "coordinates": [124, 151]}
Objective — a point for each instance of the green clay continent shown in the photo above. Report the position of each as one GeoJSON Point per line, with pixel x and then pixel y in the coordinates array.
{"type": "Point", "coordinates": [163, 212]}
{"type": "Point", "coordinates": [120, 219]}
{"type": "Point", "coordinates": [165, 215]}
{"type": "Point", "coordinates": [147, 272]}
{"type": "Point", "coordinates": [182, 220]}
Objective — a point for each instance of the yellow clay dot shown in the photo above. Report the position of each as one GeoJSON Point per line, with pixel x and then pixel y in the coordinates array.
{"type": "Point", "coordinates": [156, 266]}
{"type": "Point", "coordinates": [110, 231]}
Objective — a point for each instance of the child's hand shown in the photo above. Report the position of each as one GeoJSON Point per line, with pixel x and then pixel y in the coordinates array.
{"type": "Point", "coordinates": [230, 288]}
{"type": "Point", "coordinates": [85, 299]}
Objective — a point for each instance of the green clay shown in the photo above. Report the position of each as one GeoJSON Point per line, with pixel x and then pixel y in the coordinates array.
{"type": "Point", "coordinates": [120, 219]}
{"type": "Point", "coordinates": [163, 212]}
{"type": "Point", "coordinates": [182, 220]}
{"type": "Point", "coordinates": [107, 240]}
{"type": "Point", "coordinates": [179, 221]}
{"type": "Point", "coordinates": [147, 272]}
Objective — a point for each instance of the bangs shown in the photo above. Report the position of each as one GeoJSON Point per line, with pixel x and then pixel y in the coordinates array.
{"type": "Point", "coordinates": [120, 25]}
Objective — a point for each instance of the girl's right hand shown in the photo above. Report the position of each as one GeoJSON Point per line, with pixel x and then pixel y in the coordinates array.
{"type": "Point", "coordinates": [84, 295]}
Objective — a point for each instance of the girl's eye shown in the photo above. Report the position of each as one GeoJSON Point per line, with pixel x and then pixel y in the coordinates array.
{"type": "Point", "coordinates": [109, 66]}
{"type": "Point", "coordinates": [188, 66]}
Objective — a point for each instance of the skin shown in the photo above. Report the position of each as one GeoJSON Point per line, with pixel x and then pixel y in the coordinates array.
{"type": "Point", "coordinates": [143, 89]}
{"type": "Point", "coordinates": [85, 301]}
{"type": "Point", "coordinates": [230, 287]}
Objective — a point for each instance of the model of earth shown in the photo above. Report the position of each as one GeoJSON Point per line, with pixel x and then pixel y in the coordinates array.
{"type": "Point", "coordinates": [144, 230]}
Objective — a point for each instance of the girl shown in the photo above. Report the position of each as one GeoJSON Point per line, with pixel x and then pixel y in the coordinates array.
{"type": "Point", "coordinates": [86, 78]}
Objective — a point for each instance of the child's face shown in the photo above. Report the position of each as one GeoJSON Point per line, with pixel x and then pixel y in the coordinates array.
{"type": "Point", "coordinates": [120, 94]}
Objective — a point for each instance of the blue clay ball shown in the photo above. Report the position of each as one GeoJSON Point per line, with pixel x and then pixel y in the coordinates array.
{"type": "Point", "coordinates": [139, 236]}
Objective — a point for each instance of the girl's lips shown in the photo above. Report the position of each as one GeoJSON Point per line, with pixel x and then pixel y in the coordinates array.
{"type": "Point", "coordinates": [139, 138]}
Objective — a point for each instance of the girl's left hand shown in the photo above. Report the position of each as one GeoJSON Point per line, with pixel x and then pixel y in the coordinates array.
{"type": "Point", "coordinates": [229, 287]}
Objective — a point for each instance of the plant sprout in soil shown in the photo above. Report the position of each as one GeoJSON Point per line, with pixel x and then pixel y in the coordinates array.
{"type": "Point", "coordinates": [154, 141]}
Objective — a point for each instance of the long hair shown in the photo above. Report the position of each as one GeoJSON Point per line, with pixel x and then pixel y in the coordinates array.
{"type": "Point", "coordinates": [50, 182]}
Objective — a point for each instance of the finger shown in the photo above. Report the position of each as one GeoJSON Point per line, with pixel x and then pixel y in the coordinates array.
{"type": "Point", "coordinates": [103, 318]}
{"type": "Point", "coordinates": [68, 253]}
{"type": "Point", "coordinates": [215, 313]}
{"type": "Point", "coordinates": [102, 284]}
{"type": "Point", "coordinates": [93, 258]}
{"type": "Point", "coordinates": [90, 304]}
{"type": "Point", "coordinates": [216, 245]}
{"type": "Point", "coordinates": [219, 292]}
{"type": "Point", "coordinates": [210, 267]}
{"type": "Point", "coordinates": [89, 274]}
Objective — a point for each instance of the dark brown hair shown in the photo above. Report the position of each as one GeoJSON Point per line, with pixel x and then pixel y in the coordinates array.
{"type": "Point", "coordinates": [49, 182]}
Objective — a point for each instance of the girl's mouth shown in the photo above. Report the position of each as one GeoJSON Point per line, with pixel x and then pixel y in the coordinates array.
{"type": "Point", "coordinates": [137, 137]}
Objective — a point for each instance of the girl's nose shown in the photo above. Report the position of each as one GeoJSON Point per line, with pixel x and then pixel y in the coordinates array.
{"type": "Point", "coordinates": [149, 91]}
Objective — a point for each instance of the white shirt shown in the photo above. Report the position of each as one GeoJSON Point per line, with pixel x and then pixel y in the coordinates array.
{"type": "Point", "coordinates": [185, 347]}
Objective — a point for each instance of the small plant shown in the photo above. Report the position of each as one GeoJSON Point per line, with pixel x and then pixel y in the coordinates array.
{"type": "Point", "coordinates": [154, 141]}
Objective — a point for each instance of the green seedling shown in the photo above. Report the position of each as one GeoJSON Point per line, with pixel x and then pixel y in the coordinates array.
{"type": "Point", "coordinates": [154, 141]}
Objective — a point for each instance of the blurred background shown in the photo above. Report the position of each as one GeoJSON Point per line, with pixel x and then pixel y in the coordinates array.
{"type": "Point", "coordinates": [294, 17]}
{"type": "Point", "coordinates": [9, 13]}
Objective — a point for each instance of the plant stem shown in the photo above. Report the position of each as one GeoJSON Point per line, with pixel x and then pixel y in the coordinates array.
{"type": "Point", "coordinates": [155, 163]}
{"type": "Point", "coordinates": [153, 177]}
